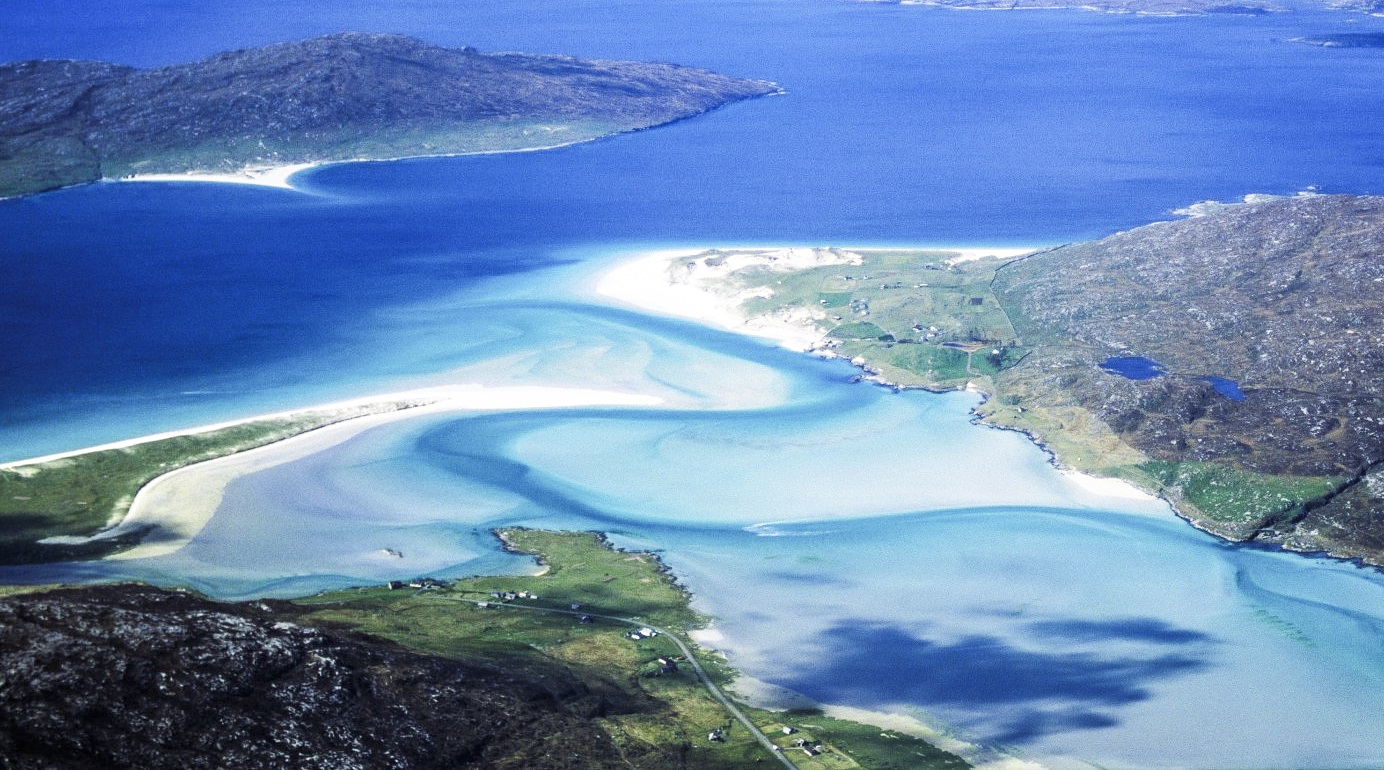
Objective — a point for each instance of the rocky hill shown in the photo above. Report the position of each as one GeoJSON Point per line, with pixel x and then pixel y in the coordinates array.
{"type": "Point", "coordinates": [1264, 418]}
{"type": "Point", "coordinates": [138, 677]}
{"type": "Point", "coordinates": [341, 97]}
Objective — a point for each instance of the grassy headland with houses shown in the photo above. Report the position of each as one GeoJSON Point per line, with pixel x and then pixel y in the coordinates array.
{"type": "Point", "coordinates": [584, 664]}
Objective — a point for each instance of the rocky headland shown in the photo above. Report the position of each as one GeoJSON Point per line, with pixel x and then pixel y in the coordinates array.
{"type": "Point", "coordinates": [474, 673]}
{"type": "Point", "coordinates": [343, 97]}
{"type": "Point", "coordinates": [140, 677]}
{"type": "Point", "coordinates": [1266, 321]}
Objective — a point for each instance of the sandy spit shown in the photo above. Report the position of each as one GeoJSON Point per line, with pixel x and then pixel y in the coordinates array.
{"type": "Point", "coordinates": [177, 505]}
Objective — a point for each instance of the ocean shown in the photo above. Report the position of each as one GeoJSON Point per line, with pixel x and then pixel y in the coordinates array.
{"type": "Point", "coordinates": [856, 546]}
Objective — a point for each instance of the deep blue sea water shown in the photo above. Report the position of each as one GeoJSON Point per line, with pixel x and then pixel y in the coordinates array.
{"type": "Point", "coordinates": [856, 546]}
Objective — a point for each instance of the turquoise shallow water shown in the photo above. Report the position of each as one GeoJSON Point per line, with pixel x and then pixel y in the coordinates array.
{"type": "Point", "coordinates": [855, 545]}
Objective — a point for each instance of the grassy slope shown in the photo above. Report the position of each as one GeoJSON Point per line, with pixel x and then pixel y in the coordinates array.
{"type": "Point", "coordinates": [660, 720]}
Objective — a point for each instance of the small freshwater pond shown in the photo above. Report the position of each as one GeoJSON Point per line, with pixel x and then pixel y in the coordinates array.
{"type": "Point", "coordinates": [1133, 367]}
{"type": "Point", "coordinates": [1141, 368]}
{"type": "Point", "coordinates": [1228, 388]}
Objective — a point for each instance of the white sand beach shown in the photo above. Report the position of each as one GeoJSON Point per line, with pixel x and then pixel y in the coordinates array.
{"type": "Point", "coordinates": [269, 176]}
{"type": "Point", "coordinates": [698, 284]}
{"type": "Point", "coordinates": [178, 504]}
{"type": "Point", "coordinates": [279, 176]}
{"type": "Point", "coordinates": [1106, 487]}
{"type": "Point", "coordinates": [702, 289]}
{"type": "Point", "coordinates": [972, 253]}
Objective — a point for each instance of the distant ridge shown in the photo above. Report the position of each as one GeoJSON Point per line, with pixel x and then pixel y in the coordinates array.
{"type": "Point", "coordinates": [341, 97]}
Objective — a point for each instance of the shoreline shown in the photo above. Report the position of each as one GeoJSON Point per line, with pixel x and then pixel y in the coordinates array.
{"type": "Point", "coordinates": [258, 176]}
{"type": "Point", "coordinates": [484, 397]}
{"type": "Point", "coordinates": [173, 507]}
{"type": "Point", "coordinates": [279, 176]}
{"type": "Point", "coordinates": [646, 280]}
{"type": "Point", "coordinates": [705, 293]}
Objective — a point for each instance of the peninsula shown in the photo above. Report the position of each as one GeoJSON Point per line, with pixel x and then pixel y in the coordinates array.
{"type": "Point", "coordinates": [136, 498]}
{"type": "Point", "coordinates": [1229, 361]}
{"type": "Point", "coordinates": [582, 665]}
{"type": "Point", "coordinates": [343, 97]}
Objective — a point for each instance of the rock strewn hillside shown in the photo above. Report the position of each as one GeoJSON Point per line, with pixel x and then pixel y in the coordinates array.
{"type": "Point", "coordinates": [333, 98]}
{"type": "Point", "coordinates": [138, 677]}
{"type": "Point", "coordinates": [1284, 298]}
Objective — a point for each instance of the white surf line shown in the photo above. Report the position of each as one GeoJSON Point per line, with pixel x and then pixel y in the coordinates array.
{"type": "Point", "coordinates": [176, 506]}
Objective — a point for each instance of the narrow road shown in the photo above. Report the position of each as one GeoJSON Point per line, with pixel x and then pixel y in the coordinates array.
{"type": "Point", "coordinates": [687, 653]}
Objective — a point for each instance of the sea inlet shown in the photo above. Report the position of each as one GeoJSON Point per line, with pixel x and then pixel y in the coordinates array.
{"type": "Point", "coordinates": [856, 546]}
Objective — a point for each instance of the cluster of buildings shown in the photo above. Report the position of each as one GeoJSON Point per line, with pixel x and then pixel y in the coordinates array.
{"type": "Point", "coordinates": [424, 584]}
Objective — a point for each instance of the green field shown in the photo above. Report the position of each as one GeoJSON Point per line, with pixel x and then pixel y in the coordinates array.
{"type": "Point", "coordinates": [660, 719]}
{"type": "Point", "coordinates": [1238, 501]}
{"type": "Point", "coordinates": [903, 312]}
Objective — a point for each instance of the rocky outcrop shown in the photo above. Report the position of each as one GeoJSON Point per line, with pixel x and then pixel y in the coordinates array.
{"type": "Point", "coordinates": [139, 677]}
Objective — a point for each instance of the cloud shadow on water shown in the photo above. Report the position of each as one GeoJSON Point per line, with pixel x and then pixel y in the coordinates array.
{"type": "Point", "coordinates": [813, 579]}
{"type": "Point", "coordinates": [1151, 630]}
{"type": "Point", "coordinates": [1018, 693]}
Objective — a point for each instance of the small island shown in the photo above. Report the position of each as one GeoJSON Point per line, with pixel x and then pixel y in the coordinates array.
{"type": "Point", "coordinates": [1176, 8]}
{"type": "Point", "coordinates": [1344, 40]}
{"type": "Point", "coordinates": [343, 97]}
{"type": "Point", "coordinates": [1136, 7]}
